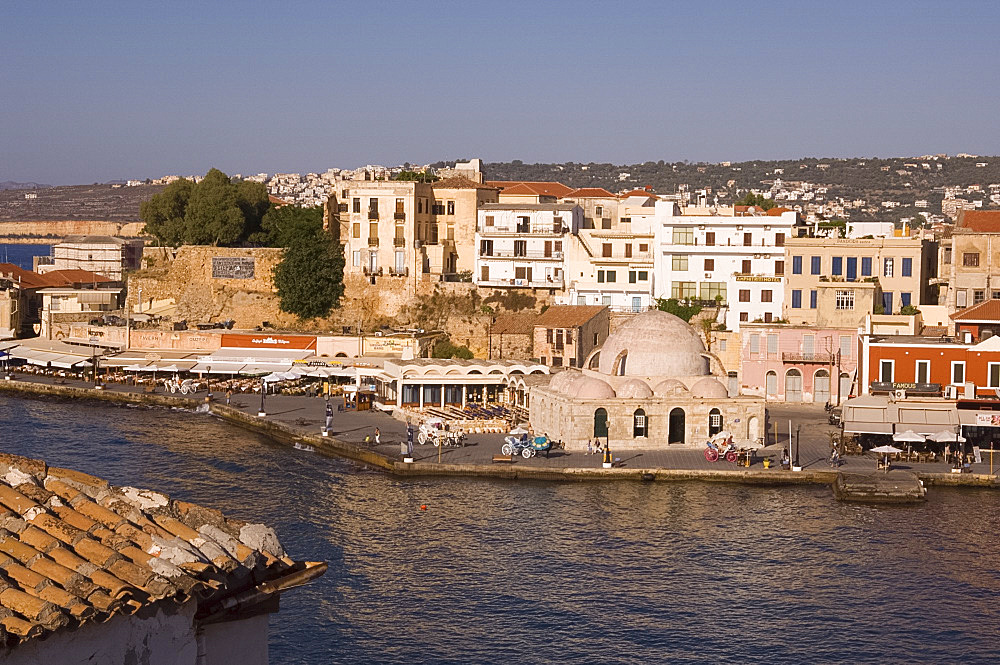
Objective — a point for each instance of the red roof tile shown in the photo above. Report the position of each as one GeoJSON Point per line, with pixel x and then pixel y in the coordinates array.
{"type": "Point", "coordinates": [568, 316]}
{"type": "Point", "coordinates": [514, 324]}
{"type": "Point", "coordinates": [54, 278]}
{"type": "Point", "coordinates": [535, 187]}
{"type": "Point", "coordinates": [984, 221]}
{"type": "Point", "coordinates": [590, 193]}
{"type": "Point", "coordinates": [638, 192]}
{"type": "Point", "coordinates": [988, 310]}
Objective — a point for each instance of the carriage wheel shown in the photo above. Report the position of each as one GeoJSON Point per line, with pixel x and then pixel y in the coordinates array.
{"type": "Point", "coordinates": [731, 456]}
{"type": "Point", "coordinates": [711, 454]}
{"type": "Point", "coordinates": [527, 453]}
{"type": "Point", "coordinates": [506, 449]}
{"type": "Point", "coordinates": [422, 438]}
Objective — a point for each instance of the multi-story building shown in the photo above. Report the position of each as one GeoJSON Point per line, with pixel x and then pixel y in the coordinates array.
{"type": "Point", "coordinates": [973, 262]}
{"type": "Point", "coordinates": [611, 264]}
{"type": "Point", "coordinates": [564, 335]}
{"type": "Point", "coordinates": [522, 245]}
{"type": "Point", "coordinates": [796, 363]}
{"type": "Point", "coordinates": [838, 281]}
{"type": "Point", "coordinates": [406, 229]}
{"type": "Point", "coordinates": [728, 256]}
{"type": "Point", "coordinates": [104, 255]}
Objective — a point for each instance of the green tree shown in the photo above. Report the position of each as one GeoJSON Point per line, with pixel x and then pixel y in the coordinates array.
{"type": "Point", "coordinates": [164, 213]}
{"type": "Point", "coordinates": [254, 203]}
{"type": "Point", "coordinates": [445, 349]}
{"type": "Point", "coordinates": [213, 215]}
{"type": "Point", "coordinates": [674, 306]}
{"type": "Point", "coordinates": [310, 277]}
{"type": "Point", "coordinates": [751, 199]}
{"type": "Point", "coordinates": [280, 227]}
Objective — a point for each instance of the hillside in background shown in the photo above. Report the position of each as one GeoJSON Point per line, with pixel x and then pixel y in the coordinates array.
{"type": "Point", "coordinates": [78, 202]}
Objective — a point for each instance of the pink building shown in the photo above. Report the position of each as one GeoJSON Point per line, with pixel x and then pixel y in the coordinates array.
{"type": "Point", "coordinates": [795, 363]}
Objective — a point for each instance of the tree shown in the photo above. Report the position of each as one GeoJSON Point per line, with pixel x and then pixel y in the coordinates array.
{"type": "Point", "coordinates": [281, 227]}
{"type": "Point", "coordinates": [213, 215]}
{"type": "Point", "coordinates": [254, 203]}
{"type": "Point", "coordinates": [673, 306]}
{"type": "Point", "coordinates": [310, 277]}
{"type": "Point", "coordinates": [751, 199]}
{"type": "Point", "coordinates": [164, 213]}
{"type": "Point", "coordinates": [445, 349]}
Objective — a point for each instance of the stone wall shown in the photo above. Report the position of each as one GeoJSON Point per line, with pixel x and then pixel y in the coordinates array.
{"type": "Point", "coordinates": [58, 230]}
{"type": "Point", "coordinates": [185, 275]}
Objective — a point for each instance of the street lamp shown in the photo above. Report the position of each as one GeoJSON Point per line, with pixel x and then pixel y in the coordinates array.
{"type": "Point", "coordinates": [93, 359]}
{"type": "Point", "coordinates": [263, 389]}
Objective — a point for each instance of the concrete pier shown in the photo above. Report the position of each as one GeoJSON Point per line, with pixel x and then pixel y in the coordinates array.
{"type": "Point", "coordinates": [893, 487]}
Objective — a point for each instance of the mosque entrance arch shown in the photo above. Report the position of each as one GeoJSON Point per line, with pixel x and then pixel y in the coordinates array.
{"type": "Point", "coordinates": [714, 422]}
{"type": "Point", "coordinates": [675, 429]}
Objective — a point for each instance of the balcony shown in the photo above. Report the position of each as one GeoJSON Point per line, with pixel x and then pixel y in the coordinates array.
{"type": "Point", "coordinates": [523, 283]}
{"type": "Point", "coordinates": [399, 216]}
{"type": "Point", "coordinates": [399, 242]}
{"type": "Point", "coordinates": [399, 272]}
{"type": "Point", "coordinates": [637, 257]}
{"type": "Point", "coordinates": [813, 358]}
{"type": "Point", "coordinates": [373, 213]}
{"type": "Point", "coordinates": [372, 272]}
{"type": "Point", "coordinates": [535, 254]}
{"type": "Point", "coordinates": [373, 242]}
{"type": "Point", "coordinates": [505, 231]}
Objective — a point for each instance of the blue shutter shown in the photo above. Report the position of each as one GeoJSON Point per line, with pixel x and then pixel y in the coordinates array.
{"type": "Point", "coordinates": [816, 265]}
{"type": "Point", "coordinates": [852, 268]}
{"type": "Point", "coordinates": [796, 299]}
{"type": "Point", "coordinates": [796, 265]}
{"type": "Point", "coordinates": [812, 299]}
{"type": "Point", "coordinates": [838, 266]}
{"type": "Point", "coordinates": [904, 299]}
{"type": "Point", "coordinates": [887, 301]}
{"type": "Point", "coordinates": [907, 267]}
{"type": "Point", "coordinates": [866, 266]}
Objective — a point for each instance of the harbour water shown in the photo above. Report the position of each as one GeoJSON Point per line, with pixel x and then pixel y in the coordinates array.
{"type": "Point", "coordinates": [503, 572]}
{"type": "Point", "coordinates": [21, 255]}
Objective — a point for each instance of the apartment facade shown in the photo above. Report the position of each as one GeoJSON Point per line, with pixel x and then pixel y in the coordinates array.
{"type": "Point", "coordinates": [523, 245]}
{"type": "Point", "coordinates": [834, 281]}
{"type": "Point", "coordinates": [565, 335]}
{"type": "Point", "coordinates": [104, 255]}
{"type": "Point", "coordinates": [731, 256]}
{"type": "Point", "coordinates": [973, 264]}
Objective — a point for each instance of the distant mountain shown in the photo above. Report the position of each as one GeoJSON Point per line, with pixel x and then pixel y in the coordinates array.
{"type": "Point", "coordinates": [10, 184]}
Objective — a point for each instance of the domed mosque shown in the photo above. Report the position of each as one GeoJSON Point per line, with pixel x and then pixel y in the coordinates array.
{"type": "Point", "coordinates": [649, 386]}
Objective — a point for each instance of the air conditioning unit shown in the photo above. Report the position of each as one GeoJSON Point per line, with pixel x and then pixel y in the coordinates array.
{"type": "Point", "coordinates": [951, 392]}
{"type": "Point", "coordinates": [899, 394]}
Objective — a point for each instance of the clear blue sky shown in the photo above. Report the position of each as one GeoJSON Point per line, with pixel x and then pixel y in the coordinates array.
{"type": "Point", "coordinates": [93, 91]}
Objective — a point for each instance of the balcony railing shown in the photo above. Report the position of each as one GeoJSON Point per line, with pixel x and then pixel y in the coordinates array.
{"type": "Point", "coordinates": [523, 231]}
{"type": "Point", "coordinates": [637, 256]}
{"type": "Point", "coordinates": [399, 242]}
{"type": "Point", "coordinates": [533, 254]}
{"type": "Point", "coordinates": [368, 270]}
{"type": "Point", "coordinates": [524, 283]}
{"type": "Point", "coordinates": [399, 272]}
{"type": "Point", "coordinates": [373, 242]}
{"type": "Point", "coordinates": [399, 216]}
{"type": "Point", "coordinates": [373, 213]}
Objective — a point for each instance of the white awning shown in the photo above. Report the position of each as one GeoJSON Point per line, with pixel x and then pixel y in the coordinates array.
{"type": "Point", "coordinates": [856, 427]}
{"type": "Point", "coordinates": [218, 368]}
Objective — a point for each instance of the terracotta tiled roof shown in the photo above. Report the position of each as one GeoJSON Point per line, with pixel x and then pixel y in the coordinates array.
{"type": "Point", "coordinates": [27, 278]}
{"type": "Point", "coordinates": [567, 316]}
{"type": "Point", "coordinates": [459, 182]}
{"type": "Point", "coordinates": [984, 221]}
{"type": "Point", "coordinates": [638, 192]}
{"type": "Point", "coordinates": [988, 310]}
{"type": "Point", "coordinates": [75, 549]}
{"type": "Point", "coordinates": [590, 193]}
{"type": "Point", "coordinates": [934, 331]}
{"type": "Point", "coordinates": [514, 324]}
{"type": "Point", "coordinates": [556, 189]}
{"type": "Point", "coordinates": [775, 212]}
{"type": "Point", "coordinates": [53, 278]}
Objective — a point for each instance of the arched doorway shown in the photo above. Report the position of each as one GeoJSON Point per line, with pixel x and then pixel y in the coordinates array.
{"type": "Point", "coordinates": [714, 422]}
{"type": "Point", "coordinates": [771, 384]}
{"type": "Point", "coordinates": [753, 429]}
{"type": "Point", "coordinates": [793, 386]}
{"type": "Point", "coordinates": [640, 426]}
{"type": "Point", "coordinates": [600, 423]}
{"type": "Point", "coordinates": [821, 386]}
{"type": "Point", "coordinates": [675, 433]}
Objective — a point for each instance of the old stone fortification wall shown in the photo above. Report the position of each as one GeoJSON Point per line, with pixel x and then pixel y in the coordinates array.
{"type": "Point", "coordinates": [58, 230]}
{"type": "Point", "coordinates": [186, 275]}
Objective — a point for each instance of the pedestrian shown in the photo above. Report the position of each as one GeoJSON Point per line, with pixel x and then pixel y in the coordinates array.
{"type": "Point", "coordinates": [377, 435]}
{"type": "Point", "coordinates": [409, 437]}
{"type": "Point", "coordinates": [229, 396]}
{"type": "Point", "coordinates": [329, 416]}
{"type": "Point", "coordinates": [835, 458]}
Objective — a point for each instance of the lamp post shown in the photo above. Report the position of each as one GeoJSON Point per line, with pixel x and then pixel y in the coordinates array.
{"type": "Point", "coordinates": [93, 359]}
{"type": "Point", "coordinates": [263, 389]}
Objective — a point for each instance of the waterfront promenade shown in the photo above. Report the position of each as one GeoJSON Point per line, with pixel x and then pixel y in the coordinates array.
{"type": "Point", "coordinates": [299, 419]}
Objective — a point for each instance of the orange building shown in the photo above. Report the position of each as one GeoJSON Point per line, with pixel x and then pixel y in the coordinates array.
{"type": "Point", "coordinates": [930, 366]}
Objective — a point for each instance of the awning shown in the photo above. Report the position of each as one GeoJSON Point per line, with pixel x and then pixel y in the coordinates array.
{"type": "Point", "coordinates": [97, 297]}
{"type": "Point", "coordinates": [856, 427]}
{"type": "Point", "coordinates": [49, 358]}
{"type": "Point", "coordinates": [218, 368]}
{"type": "Point", "coordinates": [979, 418]}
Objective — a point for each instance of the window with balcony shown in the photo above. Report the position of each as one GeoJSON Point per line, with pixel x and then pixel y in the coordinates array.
{"type": "Point", "coordinates": [683, 236]}
{"type": "Point", "coordinates": [489, 220]}
{"type": "Point", "coordinates": [970, 259]}
{"type": "Point", "coordinates": [710, 238]}
{"type": "Point", "coordinates": [747, 239]}
{"type": "Point", "coordinates": [486, 248]}
{"type": "Point", "coordinates": [679, 262]}
{"type": "Point", "coordinates": [356, 205]}
{"type": "Point", "coordinates": [744, 316]}
{"type": "Point", "coordinates": [520, 248]}
{"type": "Point", "coordinates": [683, 290]}
{"type": "Point", "coordinates": [524, 224]}
{"type": "Point", "coordinates": [844, 299]}
{"type": "Point", "coordinates": [905, 299]}
{"type": "Point", "coordinates": [709, 265]}
{"type": "Point", "coordinates": [709, 291]}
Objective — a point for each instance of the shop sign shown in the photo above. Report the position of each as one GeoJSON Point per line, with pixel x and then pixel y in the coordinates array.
{"type": "Point", "coordinates": [988, 420]}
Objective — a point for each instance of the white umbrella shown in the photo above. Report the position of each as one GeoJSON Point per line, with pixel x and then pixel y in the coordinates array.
{"type": "Point", "coordinates": [517, 431]}
{"type": "Point", "coordinates": [724, 434]}
{"type": "Point", "coordinates": [274, 376]}
{"type": "Point", "coordinates": [169, 368]}
{"type": "Point", "coordinates": [886, 450]}
{"type": "Point", "coordinates": [135, 368]}
{"type": "Point", "coordinates": [947, 436]}
{"type": "Point", "coordinates": [909, 436]}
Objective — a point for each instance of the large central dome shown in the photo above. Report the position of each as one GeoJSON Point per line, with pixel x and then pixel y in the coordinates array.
{"type": "Point", "coordinates": [654, 343]}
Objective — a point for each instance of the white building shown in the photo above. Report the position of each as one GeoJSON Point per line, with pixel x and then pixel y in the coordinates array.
{"type": "Point", "coordinates": [731, 256]}
{"type": "Point", "coordinates": [523, 244]}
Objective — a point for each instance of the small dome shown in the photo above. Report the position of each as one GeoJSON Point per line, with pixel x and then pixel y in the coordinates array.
{"type": "Point", "coordinates": [709, 388]}
{"type": "Point", "coordinates": [591, 388]}
{"type": "Point", "coordinates": [654, 343]}
{"type": "Point", "coordinates": [569, 385]}
{"type": "Point", "coordinates": [634, 389]}
{"type": "Point", "coordinates": [559, 380]}
{"type": "Point", "coordinates": [670, 387]}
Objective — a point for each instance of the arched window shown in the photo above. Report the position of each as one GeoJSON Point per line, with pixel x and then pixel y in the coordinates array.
{"type": "Point", "coordinates": [821, 386]}
{"type": "Point", "coordinates": [640, 426]}
{"type": "Point", "coordinates": [714, 422]}
{"type": "Point", "coordinates": [619, 367]}
{"type": "Point", "coordinates": [675, 432]}
{"type": "Point", "coordinates": [771, 384]}
{"type": "Point", "coordinates": [793, 386]}
{"type": "Point", "coordinates": [600, 423]}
